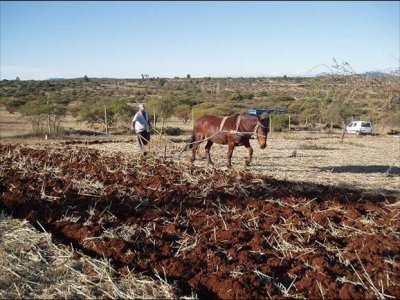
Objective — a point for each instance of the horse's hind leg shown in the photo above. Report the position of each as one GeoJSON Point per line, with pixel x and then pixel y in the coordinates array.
{"type": "Point", "coordinates": [207, 148]}
{"type": "Point", "coordinates": [229, 154]}
{"type": "Point", "coordinates": [250, 154]}
{"type": "Point", "coordinates": [194, 149]}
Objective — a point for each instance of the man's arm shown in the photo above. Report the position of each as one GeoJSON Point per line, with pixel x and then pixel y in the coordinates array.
{"type": "Point", "coordinates": [133, 121]}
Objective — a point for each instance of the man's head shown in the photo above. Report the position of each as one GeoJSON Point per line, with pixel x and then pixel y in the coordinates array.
{"type": "Point", "coordinates": [141, 107]}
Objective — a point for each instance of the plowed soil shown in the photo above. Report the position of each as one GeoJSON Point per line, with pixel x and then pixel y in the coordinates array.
{"type": "Point", "coordinates": [224, 234]}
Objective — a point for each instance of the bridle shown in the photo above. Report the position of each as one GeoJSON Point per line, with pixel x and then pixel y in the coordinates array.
{"type": "Point", "coordinates": [259, 124]}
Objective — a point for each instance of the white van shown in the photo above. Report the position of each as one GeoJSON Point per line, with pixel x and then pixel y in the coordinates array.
{"type": "Point", "coordinates": [359, 127]}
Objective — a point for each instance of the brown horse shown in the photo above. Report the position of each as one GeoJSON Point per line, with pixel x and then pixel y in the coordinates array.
{"type": "Point", "coordinates": [233, 131]}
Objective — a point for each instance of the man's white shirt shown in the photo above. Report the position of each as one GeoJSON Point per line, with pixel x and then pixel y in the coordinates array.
{"type": "Point", "coordinates": [141, 123]}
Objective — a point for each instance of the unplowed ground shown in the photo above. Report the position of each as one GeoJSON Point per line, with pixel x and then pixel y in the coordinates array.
{"type": "Point", "coordinates": [226, 234]}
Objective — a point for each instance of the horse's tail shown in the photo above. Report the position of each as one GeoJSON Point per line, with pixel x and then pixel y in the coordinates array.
{"type": "Point", "coordinates": [191, 142]}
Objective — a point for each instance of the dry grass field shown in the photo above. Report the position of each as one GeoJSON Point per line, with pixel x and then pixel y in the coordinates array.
{"type": "Point", "coordinates": [369, 162]}
{"type": "Point", "coordinates": [36, 264]}
{"type": "Point", "coordinates": [14, 125]}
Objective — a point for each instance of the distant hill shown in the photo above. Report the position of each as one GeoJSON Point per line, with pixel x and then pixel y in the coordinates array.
{"type": "Point", "coordinates": [90, 78]}
{"type": "Point", "coordinates": [365, 74]}
{"type": "Point", "coordinates": [376, 74]}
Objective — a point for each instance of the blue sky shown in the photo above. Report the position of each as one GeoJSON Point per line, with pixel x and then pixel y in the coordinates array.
{"type": "Point", "coordinates": [41, 40]}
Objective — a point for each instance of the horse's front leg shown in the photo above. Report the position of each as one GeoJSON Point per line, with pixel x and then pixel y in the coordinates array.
{"type": "Point", "coordinates": [207, 148]}
{"type": "Point", "coordinates": [250, 154]}
{"type": "Point", "coordinates": [231, 146]}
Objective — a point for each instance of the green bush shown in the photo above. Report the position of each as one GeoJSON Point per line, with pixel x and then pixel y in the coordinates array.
{"type": "Point", "coordinates": [161, 81]}
{"type": "Point", "coordinates": [238, 96]}
{"type": "Point", "coordinates": [311, 115]}
{"type": "Point", "coordinates": [284, 98]}
{"type": "Point", "coordinates": [235, 96]}
{"type": "Point", "coordinates": [279, 122]}
{"type": "Point", "coordinates": [92, 112]}
{"type": "Point", "coordinates": [162, 106]}
{"type": "Point", "coordinates": [183, 112]}
{"type": "Point", "coordinates": [209, 108]}
{"type": "Point", "coordinates": [41, 113]}
{"type": "Point", "coordinates": [263, 94]}
{"type": "Point", "coordinates": [13, 105]}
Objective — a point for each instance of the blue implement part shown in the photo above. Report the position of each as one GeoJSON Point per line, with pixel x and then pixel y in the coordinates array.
{"type": "Point", "coordinates": [259, 112]}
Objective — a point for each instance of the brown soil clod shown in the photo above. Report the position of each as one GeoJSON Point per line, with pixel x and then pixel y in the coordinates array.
{"type": "Point", "coordinates": [224, 234]}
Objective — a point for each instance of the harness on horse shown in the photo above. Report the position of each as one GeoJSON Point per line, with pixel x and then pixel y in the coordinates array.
{"type": "Point", "coordinates": [221, 126]}
{"type": "Point", "coordinates": [236, 131]}
{"type": "Point", "coordinates": [220, 131]}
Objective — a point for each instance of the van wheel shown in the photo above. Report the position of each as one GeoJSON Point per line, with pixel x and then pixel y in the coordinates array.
{"type": "Point", "coordinates": [358, 132]}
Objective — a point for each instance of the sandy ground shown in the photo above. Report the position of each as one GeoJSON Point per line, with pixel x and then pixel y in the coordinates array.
{"type": "Point", "coordinates": [12, 124]}
{"type": "Point", "coordinates": [368, 162]}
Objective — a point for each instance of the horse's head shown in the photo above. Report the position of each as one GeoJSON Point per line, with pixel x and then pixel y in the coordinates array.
{"type": "Point", "coordinates": [262, 129]}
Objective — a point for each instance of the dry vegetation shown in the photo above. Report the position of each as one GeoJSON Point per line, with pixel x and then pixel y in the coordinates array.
{"type": "Point", "coordinates": [33, 266]}
{"type": "Point", "coordinates": [209, 231]}
{"type": "Point", "coordinates": [332, 98]}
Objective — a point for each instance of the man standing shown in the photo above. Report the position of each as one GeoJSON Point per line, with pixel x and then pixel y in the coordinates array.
{"type": "Point", "coordinates": [141, 124]}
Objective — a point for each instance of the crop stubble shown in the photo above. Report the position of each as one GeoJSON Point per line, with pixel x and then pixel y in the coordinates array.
{"type": "Point", "coordinates": [224, 233]}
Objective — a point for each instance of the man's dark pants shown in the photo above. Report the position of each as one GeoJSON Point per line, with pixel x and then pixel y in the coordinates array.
{"type": "Point", "coordinates": [143, 138]}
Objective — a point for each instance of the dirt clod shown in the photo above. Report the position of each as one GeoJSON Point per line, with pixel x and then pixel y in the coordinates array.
{"type": "Point", "coordinates": [225, 234]}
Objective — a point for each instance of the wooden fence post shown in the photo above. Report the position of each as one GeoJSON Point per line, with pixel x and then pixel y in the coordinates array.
{"type": "Point", "coordinates": [105, 119]}
{"type": "Point", "coordinates": [270, 123]}
{"type": "Point", "coordinates": [48, 118]}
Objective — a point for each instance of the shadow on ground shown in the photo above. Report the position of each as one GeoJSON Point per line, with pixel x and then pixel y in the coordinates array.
{"type": "Point", "coordinates": [361, 169]}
